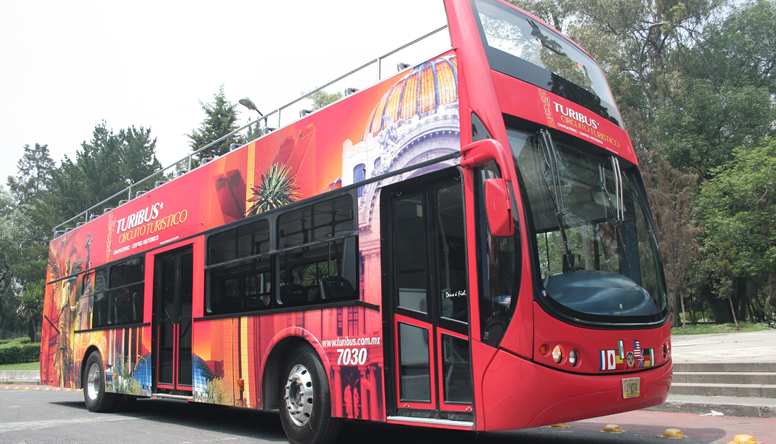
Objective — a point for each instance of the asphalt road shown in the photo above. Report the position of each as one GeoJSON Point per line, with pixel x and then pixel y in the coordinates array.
{"type": "Point", "coordinates": [56, 416]}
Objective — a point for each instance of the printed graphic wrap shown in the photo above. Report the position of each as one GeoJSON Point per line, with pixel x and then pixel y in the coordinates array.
{"type": "Point", "coordinates": [408, 119]}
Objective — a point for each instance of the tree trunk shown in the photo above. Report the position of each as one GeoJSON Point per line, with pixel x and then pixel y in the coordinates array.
{"type": "Point", "coordinates": [733, 310]}
{"type": "Point", "coordinates": [684, 313]}
{"type": "Point", "coordinates": [31, 329]}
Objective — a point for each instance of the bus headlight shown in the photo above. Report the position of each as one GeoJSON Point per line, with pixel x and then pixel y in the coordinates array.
{"type": "Point", "coordinates": [573, 358]}
{"type": "Point", "coordinates": [557, 354]}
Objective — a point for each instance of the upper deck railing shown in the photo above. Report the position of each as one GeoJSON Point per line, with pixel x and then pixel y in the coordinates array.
{"type": "Point", "coordinates": [426, 46]}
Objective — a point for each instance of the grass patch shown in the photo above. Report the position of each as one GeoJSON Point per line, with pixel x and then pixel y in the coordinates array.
{"type": "Point", "coordinates": [21, 366]}
{"type": "Point", "coordinates": [701, 329]}
{"type": "Point", "coordinates": [19, 340]}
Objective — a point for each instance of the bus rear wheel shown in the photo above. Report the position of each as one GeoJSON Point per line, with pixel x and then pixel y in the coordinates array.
{"type": "Point", "coordinates": [305, 401]}
{"type": "Point", "coordinates": [93, 383]}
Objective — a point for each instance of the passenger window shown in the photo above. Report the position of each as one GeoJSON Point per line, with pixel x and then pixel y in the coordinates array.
{"type": "Point", "coordinates": [119, 293]}
{"type": "Point", "coordinates": [409, 213]}
{"type": "Point", "coordinates": [451, 253]}
{"type": "Point", "coordinates": [239, 272]}
{"type": "Point", "coordinates": [319, 222]}
{"type": "Point", "coordinates": [318, 263]}
{"type": "Point", "coordinates": [319, 273]}
{"type": "Point", "coordinates": [100, 305]}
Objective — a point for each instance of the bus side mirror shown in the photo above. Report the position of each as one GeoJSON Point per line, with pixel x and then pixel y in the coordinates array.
{"type": "Point", "coordinates": [497, 208]}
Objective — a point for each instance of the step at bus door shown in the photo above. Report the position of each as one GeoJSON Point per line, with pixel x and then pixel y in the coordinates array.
{"type": "Point", "coordinates": [172, 318]}
{"type": "Point", "coordinates": [426, 298]}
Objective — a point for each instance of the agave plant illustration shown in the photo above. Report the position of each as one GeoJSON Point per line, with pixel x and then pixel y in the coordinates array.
{"type": "Point", "coordinates": [275, 189]}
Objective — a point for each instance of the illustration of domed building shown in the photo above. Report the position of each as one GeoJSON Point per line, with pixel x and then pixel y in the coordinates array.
{"type": "Point", "coordinates": [415, 121]}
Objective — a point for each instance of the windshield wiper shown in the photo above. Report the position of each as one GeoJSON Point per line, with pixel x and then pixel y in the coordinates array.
{"type": "Point", "coordinates": [615, 202]}
{"type": "Point", "coordinates": [553, 184]}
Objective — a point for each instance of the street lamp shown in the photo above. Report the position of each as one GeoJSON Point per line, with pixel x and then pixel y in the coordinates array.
{"type": "Point", "coordinates": [248, 103]}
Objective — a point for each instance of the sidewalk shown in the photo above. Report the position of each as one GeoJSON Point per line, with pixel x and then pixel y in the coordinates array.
{"type": "Point", "coordinates": [736, 348]}
{"type": "Point", "coordinates": [19, 377]}
{"type": "Point", "coordinates": [724, 374]}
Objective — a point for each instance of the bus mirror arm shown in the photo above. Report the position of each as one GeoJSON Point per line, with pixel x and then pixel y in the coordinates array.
{"type": "Point", "coordinates": [478, 153]}
{"type": "Point", "coordinates": [497, 208]}
{"type": "Point", "coordinates": [496, 192]}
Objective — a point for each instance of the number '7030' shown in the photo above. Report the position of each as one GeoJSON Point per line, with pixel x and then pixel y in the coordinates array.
{"type": "Point", "coordinates": [351, 356]}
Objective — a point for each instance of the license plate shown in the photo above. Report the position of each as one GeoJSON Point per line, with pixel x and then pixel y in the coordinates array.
{"type": "Point", "coordinates": [631, 388]}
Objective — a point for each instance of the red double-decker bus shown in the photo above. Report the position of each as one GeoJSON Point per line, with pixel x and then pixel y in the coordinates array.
{"type": "Point", "coordinates": [466, 244]}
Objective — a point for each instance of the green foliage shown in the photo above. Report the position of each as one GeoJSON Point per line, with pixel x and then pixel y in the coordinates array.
{"type": "Point", "coordinates": [702, 124]}
{"type": "Point", "coordinates": [43, 194]}
{"type": "Point", "coordinates": [220, 120]}
{"type": "Point", "coordinates": [740, 50]}
{"type": "Point", "coordinates": [19, 340]}
{"type": "Point", "coordinates": [737, 208]}
{"type": "Point", "coordinates": [702, 329]}
{"type": "Point", "coordinates": [104, 165]}
{"type": "Point", "coordinates": [322, 98]}
{"type": "Point", "coordinates": [21, 366]}
{"type": "Point", "coordinates": [13, 352]}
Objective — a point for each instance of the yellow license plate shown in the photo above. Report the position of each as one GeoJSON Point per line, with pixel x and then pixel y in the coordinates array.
{"type": "Point", "coordinates": [631, 388]}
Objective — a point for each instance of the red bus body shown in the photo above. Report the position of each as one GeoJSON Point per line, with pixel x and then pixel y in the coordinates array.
{"type": "Point", "coordinates": [515, 384]}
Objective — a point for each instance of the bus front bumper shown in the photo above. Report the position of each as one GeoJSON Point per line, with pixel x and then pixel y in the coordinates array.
{"type": "Point", "coordinates": [519, 393]}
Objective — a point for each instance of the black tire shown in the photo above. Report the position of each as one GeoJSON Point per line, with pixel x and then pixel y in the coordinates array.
{"type": "Point", "coordinates": [95, 398]}
{"type": "Point", "coordinates": [318, 427]}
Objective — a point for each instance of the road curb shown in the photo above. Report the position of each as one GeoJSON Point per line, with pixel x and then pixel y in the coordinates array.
{"type": "Point", "coordinates": [725, 409]}
{"type": "Point", "coordinates": [19, 377]}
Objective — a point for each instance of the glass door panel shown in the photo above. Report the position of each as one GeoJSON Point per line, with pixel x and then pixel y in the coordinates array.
{"type": "Point", "coordinates": [427, 296]}
{"type": "Point", "coordinates": [172, 317]}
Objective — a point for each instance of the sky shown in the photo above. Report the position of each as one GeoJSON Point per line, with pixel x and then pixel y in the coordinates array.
{"type": "Point", "coordinates": [67, 65]}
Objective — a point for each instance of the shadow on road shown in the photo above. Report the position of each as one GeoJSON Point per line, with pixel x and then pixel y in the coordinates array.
{"type": "Point", "coordinates": [251, 424]}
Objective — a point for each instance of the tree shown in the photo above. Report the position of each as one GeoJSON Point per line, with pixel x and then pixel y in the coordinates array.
{"type": "Point", "coordinates": [740, 50]}
{"type": "Point", "coordinates": [31, 306]}
{"type": "Point", "coordinates": [322, 98]}
{"type": "Point", "coordinates": [671, 194]}
{"type": "Point", "coordinates": [27, 228]}
{"type": "Point", "coordinates": [104, 165]}
{"type": "Point", "coordinates": [699, 127]}
{"type": "Point", "coordinates": [137, 153]}
{"type": "Point", "coordinates": [220, 120]}
{"type": "Point", "coordinates": [9, 322]}
{"type": "Point", "coordinates": [737, 209]}
{"type": "Point", "coordinates": [34, 174]}
{"type": "Point", "coordinates": [557, 13]}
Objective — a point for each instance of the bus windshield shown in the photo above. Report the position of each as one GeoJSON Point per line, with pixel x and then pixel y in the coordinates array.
{"type": "Point", "coordinates": [595, 244]}
{"type": "Point", "coordinates": [553, 62]}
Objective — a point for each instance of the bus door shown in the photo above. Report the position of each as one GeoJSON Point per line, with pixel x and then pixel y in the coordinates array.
{"type": "Point", "coordinates": [426, 298]}
{"type": "Point", "coordinates": [172, 319]}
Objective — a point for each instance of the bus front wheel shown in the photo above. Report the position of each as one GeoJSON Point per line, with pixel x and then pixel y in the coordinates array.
{"type": "Point", "coordinates": [93, 383]}
{"type": "Point", "coordinates": [305, 401]}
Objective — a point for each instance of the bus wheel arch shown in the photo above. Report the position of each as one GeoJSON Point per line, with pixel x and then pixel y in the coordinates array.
{"type": "Point", "coordinates": [275, 366]}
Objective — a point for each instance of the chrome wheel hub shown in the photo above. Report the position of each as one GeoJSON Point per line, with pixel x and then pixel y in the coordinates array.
{"type": "Point", "coordinates": [299, 395]}
{"type": "Point", "coordinates": [93, 381]}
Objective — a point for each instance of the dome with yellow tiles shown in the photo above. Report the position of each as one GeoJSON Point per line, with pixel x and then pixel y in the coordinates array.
{"type": "Point", "coordinates": [426, 89]}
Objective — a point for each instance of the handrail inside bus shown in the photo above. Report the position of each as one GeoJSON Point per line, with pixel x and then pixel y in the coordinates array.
{"type": "Point", "coordinates": [203, 154]}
